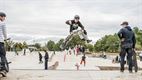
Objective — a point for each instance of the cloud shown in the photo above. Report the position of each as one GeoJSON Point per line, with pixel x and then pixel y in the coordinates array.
{"type": "Point", "coordinates": [44, 18]}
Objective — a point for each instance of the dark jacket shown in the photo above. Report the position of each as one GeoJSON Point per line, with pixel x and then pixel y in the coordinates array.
{"type": "Point", "coordinates": [83, 49]}
{"type": "Point", "coordinates": [129, 37]}
{"type": "Point", "coordinates": [74, 25]}
{"type": "Point", "coordinates": [40, 55]}
{"type": "Point", "coordinates": [83, 58]}
{"type": "Point", "coordinates": [46, 56]}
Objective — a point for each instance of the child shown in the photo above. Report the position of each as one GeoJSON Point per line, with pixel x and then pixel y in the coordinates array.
{"type": "Point", "coordinates": [83, 60]}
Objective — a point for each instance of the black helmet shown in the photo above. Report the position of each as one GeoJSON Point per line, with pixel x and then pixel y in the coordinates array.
{"type": "Point", "coordinates": [2, 14]}
{"type": "Point", "coordinates": [76, 17]}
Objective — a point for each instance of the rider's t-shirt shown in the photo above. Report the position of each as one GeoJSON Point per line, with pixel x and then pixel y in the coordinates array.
{"type": "Point", "coordinates": [74, 25]}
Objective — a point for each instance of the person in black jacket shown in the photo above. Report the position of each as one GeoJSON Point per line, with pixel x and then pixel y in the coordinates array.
{"type": "Point", "coordinates": [46, 57]}
{"type": "Point", "coordinates": [83, 49]}
{"type": "Point", "coordinates": [40, 58]}
{"type": "Point", "coordinates": [74, 24]}
{"type": "Point", "coordinates": [128, 42]}
{"type": "Point", "coordinates": [83, 60]}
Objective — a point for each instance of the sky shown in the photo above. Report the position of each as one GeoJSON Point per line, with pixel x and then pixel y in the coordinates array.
{"type": "Point", "coordinates": [42, 20]}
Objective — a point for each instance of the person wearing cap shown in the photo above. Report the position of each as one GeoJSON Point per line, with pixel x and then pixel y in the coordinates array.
{"type": "Point", "coordinates": [3, 37]}
{"type": "Point", "coordinates": [46, 57]}
{"type": "Point", "coordinates": [74, 24]}
{"type": "Point", "coordinates": [128, 42]}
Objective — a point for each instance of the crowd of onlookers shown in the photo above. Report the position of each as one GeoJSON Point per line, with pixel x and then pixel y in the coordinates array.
{"type": "Point", "coordinates": [77, 50]}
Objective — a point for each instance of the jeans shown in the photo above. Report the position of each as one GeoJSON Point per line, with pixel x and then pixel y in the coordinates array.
{"type": "Point", "coordinates": [46, 64]}
{"type": "Point", "coordinates": [123, 53]}
{"type": "Point", "coordinates": [2, 56]}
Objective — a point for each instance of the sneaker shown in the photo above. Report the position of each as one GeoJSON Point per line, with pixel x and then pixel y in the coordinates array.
{"type": "Point", "coordinates": [88, 41]}
{"type": "Point", "coordinates": [83, 39]}
{"type": "Point", "coordinates": [130, 71]}
{"type": "Point", "coordinates": [122, 71]}
{"type": "Point", "coordinates": [3, 73]}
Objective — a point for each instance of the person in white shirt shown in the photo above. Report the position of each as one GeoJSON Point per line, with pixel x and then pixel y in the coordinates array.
{"type": "Point", "coordinates": [3, 37]}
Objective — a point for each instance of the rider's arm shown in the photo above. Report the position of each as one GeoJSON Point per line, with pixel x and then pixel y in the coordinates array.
{"type": "Point", "coordinates": [69, 22]}
{"type": "Point", "coordinates": [81, 26]}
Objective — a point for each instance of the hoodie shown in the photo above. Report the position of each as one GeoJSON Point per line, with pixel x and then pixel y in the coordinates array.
{"type": "Point", "coordinates": [128, 35]}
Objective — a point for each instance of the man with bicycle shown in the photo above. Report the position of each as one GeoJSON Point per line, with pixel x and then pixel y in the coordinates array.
{"type": "Point", "coordinates": [74, 24]}
{"type": "Point", "coordinates": [128, 41]}
{"type": "Point", "coordinates": [3, 37]}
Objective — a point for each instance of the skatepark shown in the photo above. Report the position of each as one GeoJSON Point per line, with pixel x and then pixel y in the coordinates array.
{"type": "Point", "coordinates": [70, 39]}
{"type": "Point", "coordinates": [28, 68]}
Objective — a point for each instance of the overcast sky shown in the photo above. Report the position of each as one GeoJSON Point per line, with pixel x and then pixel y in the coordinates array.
{"type": "Point", "coordinates": [45, 19]}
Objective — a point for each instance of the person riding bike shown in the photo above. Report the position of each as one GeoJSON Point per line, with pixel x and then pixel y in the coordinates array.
{"type": "Point", "coordinates": [74, 24]}
{"type": "Point", "coordinates": [3, 37]}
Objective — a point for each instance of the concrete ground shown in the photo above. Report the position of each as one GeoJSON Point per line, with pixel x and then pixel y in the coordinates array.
{"type": "Point", "coordinates": [28, 68]}
{"type": "Point", "coordinates": [70, 75]}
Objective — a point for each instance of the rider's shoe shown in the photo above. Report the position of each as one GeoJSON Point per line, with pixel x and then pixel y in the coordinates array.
{"type": "Point", "coordinates": [88, 41]}
{"type": "Point", "coordinates": [83, 39]}
{"type": "Point", "coordinates": [3, 73]}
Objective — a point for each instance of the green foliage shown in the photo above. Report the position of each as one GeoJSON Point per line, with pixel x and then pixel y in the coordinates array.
{"type": "Point", "coordinates": [138, 34]}
{"type": "Point", "coordinates": [75, 41]}
{"type": "Point", "coordinates": [90, 47]}
{"type": "Point", "coordinates": [110, 43]}
{"type": "Point", "coordinates": [25, 45]}
{"type": "Point", "coordinates": [17, 46]}
{"type": "Point", "coordinates": [57, 45]}
{"type": "Point", "coordinates": [37, 46]}
{"type": "Point", "coordinates": [50, 45]}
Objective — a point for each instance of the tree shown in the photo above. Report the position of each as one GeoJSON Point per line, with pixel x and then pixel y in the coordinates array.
{"type": "Point", "coordinates": [57, 45]}
{"type": "Point", "coordinates": [38, 46]}
{"type": "Point", "coordinates": [90, 47]}
{"type": "Point", "coordinates": [50, 45]}
{"type": "Point", "coordinates": [109, 43]}
{"type": "Point", "coordinates": [75, 41]}
{"type": "Point", "coordinates": [138, 34]}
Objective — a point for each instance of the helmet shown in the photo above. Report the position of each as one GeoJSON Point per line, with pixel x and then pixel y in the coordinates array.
{"type": "Point", "coordinates": [76, 17]}
{"type": "Point", "coordinates": [2, 14]}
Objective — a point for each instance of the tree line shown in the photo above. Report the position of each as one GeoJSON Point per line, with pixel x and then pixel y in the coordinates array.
{"type": "Point", "coordinates": [108, 43]}
{"type": "Point", "coordinates": [111, 43]}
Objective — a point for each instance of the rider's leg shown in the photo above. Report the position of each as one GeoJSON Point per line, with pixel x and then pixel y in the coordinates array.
{"type": "Point", "coordinates": [69, 38]}
{"type": "Point", "coordinates": [84, 36]}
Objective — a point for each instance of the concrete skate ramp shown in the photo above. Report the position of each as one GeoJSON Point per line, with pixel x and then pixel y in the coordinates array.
{"type": "Point", "coordinates": [112, 68]}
